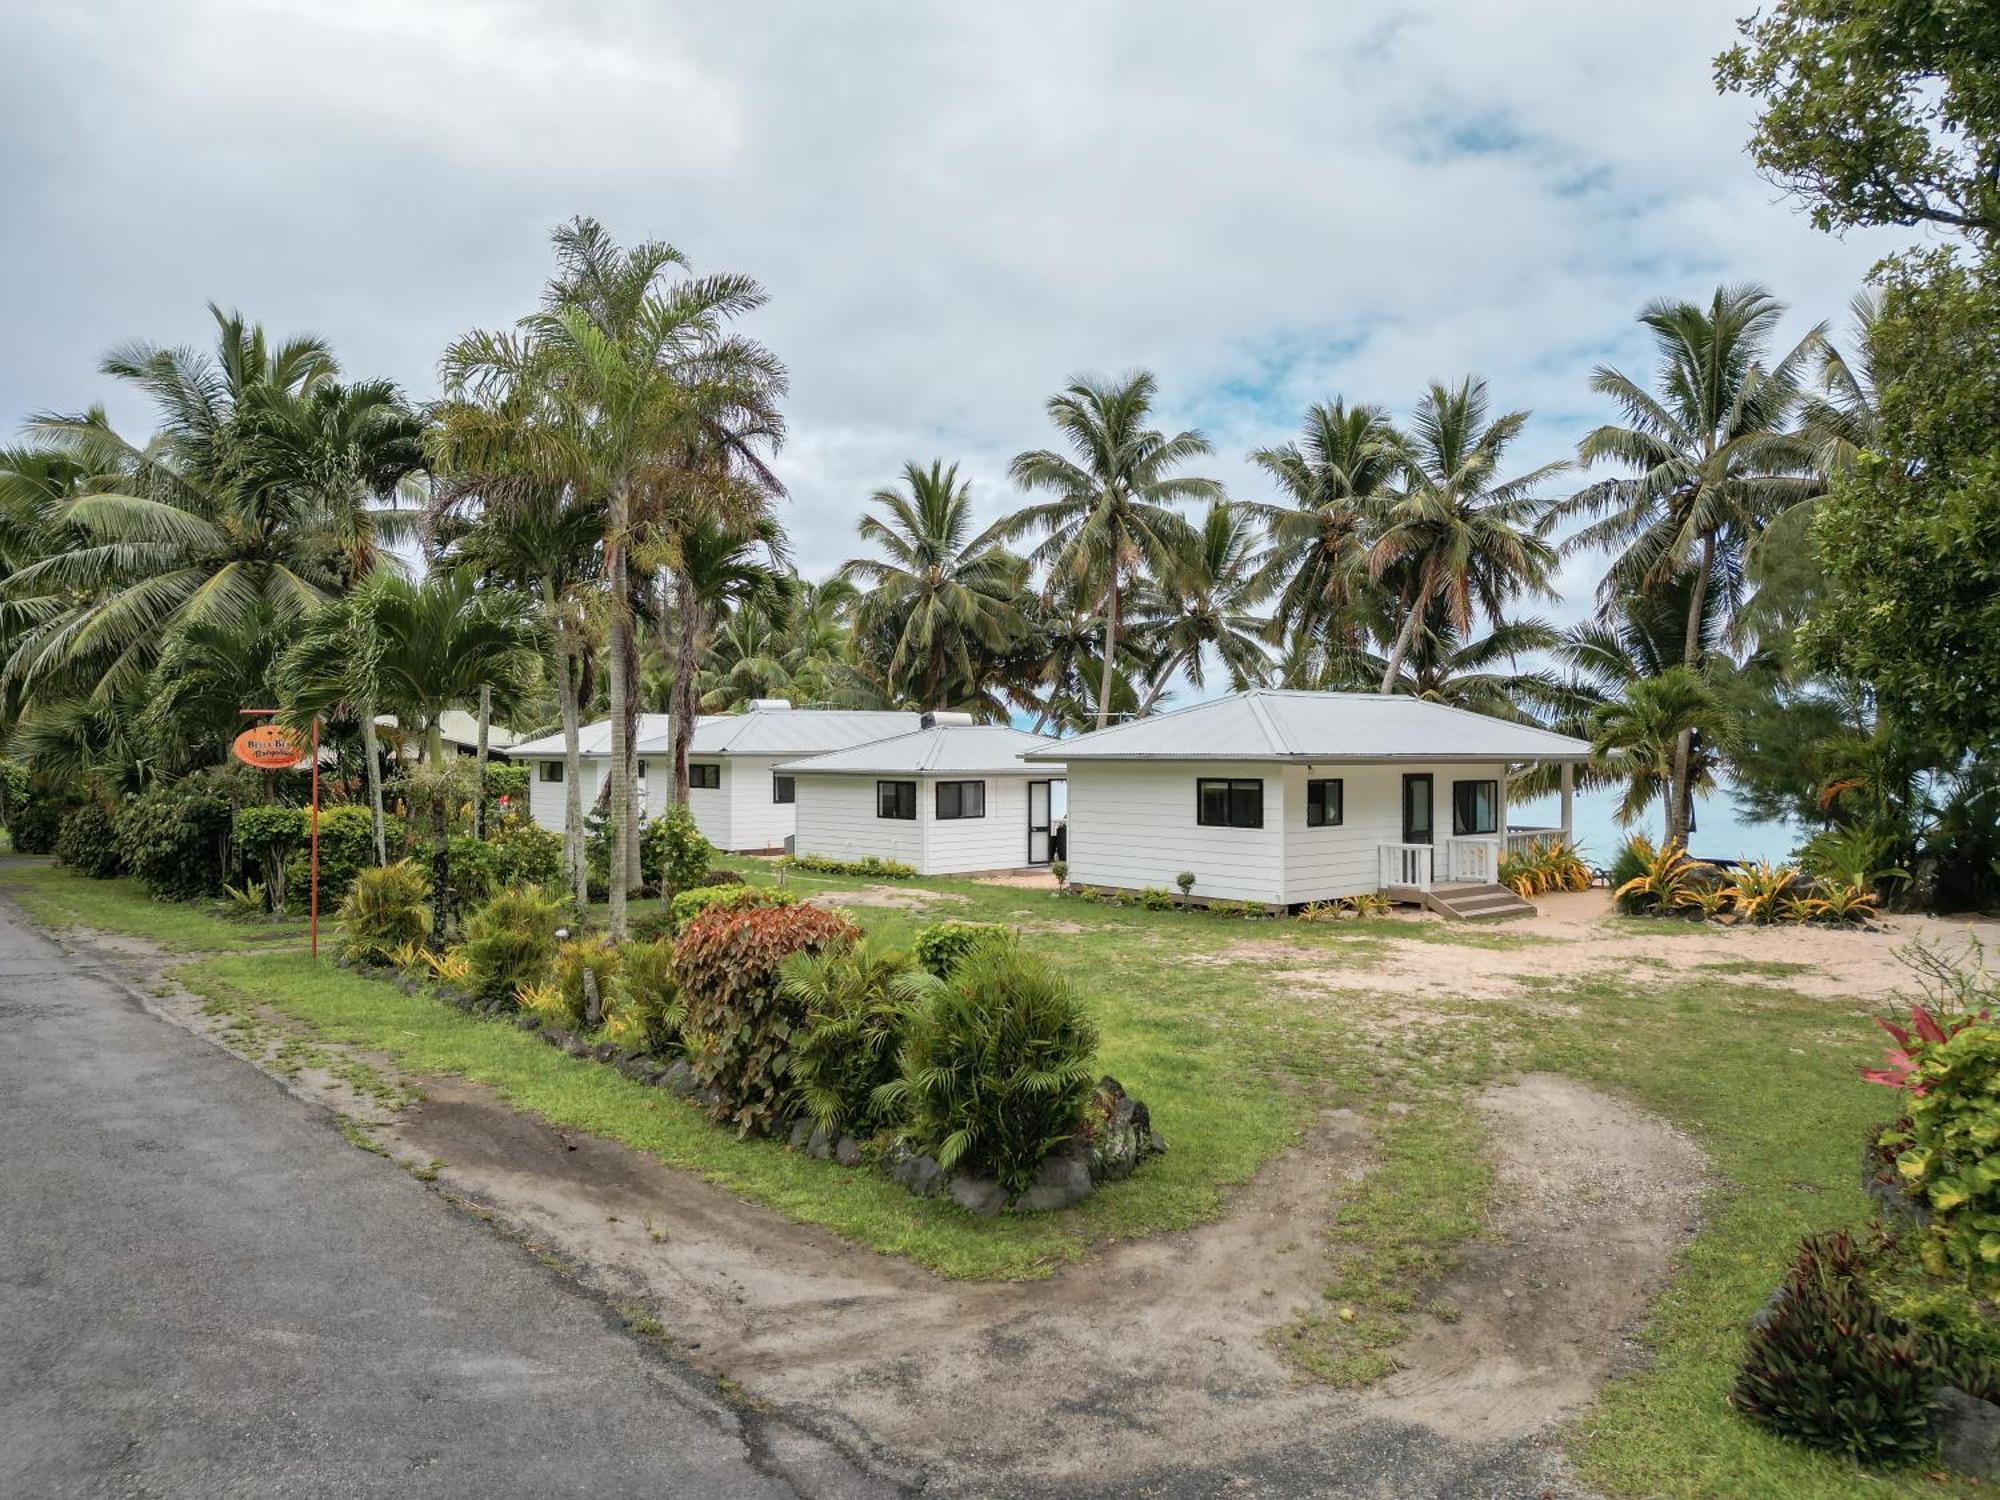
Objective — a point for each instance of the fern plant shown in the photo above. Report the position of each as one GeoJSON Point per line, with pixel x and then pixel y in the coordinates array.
{"type": "Point", "coordinates": [383, 910]}
{"type": "Point", "coordinates": [998, 1066]}
{"type": "Point", "coordinates": [857, 1005]}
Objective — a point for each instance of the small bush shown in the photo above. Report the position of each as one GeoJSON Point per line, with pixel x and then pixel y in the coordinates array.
{"type": "Point", "coordinates": [687, 905]}
{"type": "Point", "coordinates": [1946, 1153]}
{"type": "Point", "coordinates": [740, 1032]}
{"type": "Point", "coordinates": [505, 781]}
{"type": "Point", "coordinates": [857, 1010]}
{"type": "Point", "coordinates": [644, 1009]}
{"type": "Point", "coordinates": [511, 940]}
{"type": "Point", "coordinates": [385, 909]}
{"type": "Point", "coordinates": [1761, 893]}
{"type": "Point", "coordinates": [346, 847]}
{"type": "Point", "coordinates": [525, 853]}
{"type": "Point", "coordinates": [34, 814]}
{"type": "Point", "coordinates": [998, 1066]}
{"type": "Point", "coordinates": [1827, 1366]}
{"type": "Point", "coordinates": [1665, 883]}
{"type": "Point", "coordinates": [1060, 869]}
{"type": "Point", "coordinates": [1633, 856]}
{"type": "Point", "coordinates": [1545, 865]}
{"type": "Point", "coordinates": [1153, 898]}
{"type": "Point", "coordinates": [1185, 880]}
{"type": "Point", "coordinates": [472, 870]}
{"type": "Point", "coordinates": [873, 867]}
{"type": "Point", "coordinates": [942, 946]}
{"type": "Point", "coordinates": [175, 839]}
{"type": "Point", "coordinates": [87, 841]}
{"type": "Point", "coordinates": [270, 839]}
{"type": "Point", "coordinates": [673, 855]}
{"type": "Point", "coordinates": [566, 977]}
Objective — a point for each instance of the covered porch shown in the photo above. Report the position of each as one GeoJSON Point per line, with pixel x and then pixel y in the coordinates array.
{"type": "Point", "coordinates": [1459, 875]}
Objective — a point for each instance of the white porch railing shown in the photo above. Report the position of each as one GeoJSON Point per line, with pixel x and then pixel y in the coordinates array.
{"type": "Point", "coordinates": [1521, 840]}
{"type": "Point", "coordinates": [1472, 859]}
{"type": "Point", "coordinates": [1406, 865]}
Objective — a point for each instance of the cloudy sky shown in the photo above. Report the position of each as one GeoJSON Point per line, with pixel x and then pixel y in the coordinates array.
{"type": "Point", "coordinates": [954, 207]}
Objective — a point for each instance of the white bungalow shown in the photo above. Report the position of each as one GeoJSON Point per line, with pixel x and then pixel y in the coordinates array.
{"type": "Point", "coordinates": [1283, 798]}
{"type": "Point", "coordinates": [952, 798]}
{"type": "Point", "coordinates": [739, 800]}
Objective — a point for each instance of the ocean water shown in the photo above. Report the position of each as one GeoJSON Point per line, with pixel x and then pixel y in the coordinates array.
{"type": "Point", "coordinates": [1720, 831]}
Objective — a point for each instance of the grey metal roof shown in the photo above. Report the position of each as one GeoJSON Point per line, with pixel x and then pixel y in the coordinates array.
{"type": "Point", "coordinates": [593, 740]}
{"type": "Point", "coordinates": [944, 750]}
{"type": "Point", "coordinates": [1288, 725]}
{"type": "Point", "coordinates": [789, 731]}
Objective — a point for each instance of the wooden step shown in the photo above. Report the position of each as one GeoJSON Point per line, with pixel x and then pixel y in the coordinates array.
{"type": "Point", "coordinates": [1478, 903]}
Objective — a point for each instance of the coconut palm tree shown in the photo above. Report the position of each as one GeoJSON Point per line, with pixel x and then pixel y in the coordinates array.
{"type": "Point", "coordinates": [635, 397]}
{"type": "Point", "coordinates": [1458, 536]}
{"type": "Point", "coordinates": [717, 569]}
{"type": "Point", "coordinates": [1642, 737]}
{"type": "Point", "coordinates": [1113, 516]}
{"type": "Point", "coordinates": [1484, 674]}
{"type": "Point", "coordinates": [1712, 456]}
{"type": "Point", "coordinates": [1336, 479]}
{"type": "Point", "coordinates": [941, 597]}
{"type": "Point", "coordinates": [1204, 606]}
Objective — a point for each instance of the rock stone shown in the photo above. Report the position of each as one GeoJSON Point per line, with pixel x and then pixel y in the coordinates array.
{"type": "Point", "coordinates": [847, 1151]}
{"type": "Point", "coordinates": [819, 1144]}
{"type": "Point", "coordinates": [527, 1020]}
{"type": "Point", "coordinates": [979, 1195]}
{"type": "Point", "coordinates": [679, 1077]}
{"type": "Point", "coordinates": [1968, 1432]}
{"type": "Point", "coordinates": [801, 1133]}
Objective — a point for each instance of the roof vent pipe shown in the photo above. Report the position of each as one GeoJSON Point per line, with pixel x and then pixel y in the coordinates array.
{"type": "Point", "coordinates": [940, 718]}
{"type": "Point", "coordinates": [769, 705]}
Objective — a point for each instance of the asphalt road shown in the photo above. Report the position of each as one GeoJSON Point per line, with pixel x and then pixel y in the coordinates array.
{"type": "Point", "coordinates": [205, 1291]}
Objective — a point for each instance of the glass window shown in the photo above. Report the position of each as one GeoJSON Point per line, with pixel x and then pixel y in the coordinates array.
{"type": "Point", "coordinates": [707, 775]}
{"type": "Point", "coordinates": [1475, 807]}
{"type": "Point", "coordinates": [1229, 804]}
{"type": "Point", "coordinates": [896, 799]}
{"type": "Point", "coordinates": [961, 799]}
{"type": "Point", "coordinates": [1325, 804]}
{"type": "Point", "coordinates": [552, 770]}
{"type": "Point", "coordinates": [784, 789]}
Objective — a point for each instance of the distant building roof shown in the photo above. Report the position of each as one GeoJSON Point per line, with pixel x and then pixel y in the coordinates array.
{"type": "Point", "coordinates": [593, 740]}
{"type": "Point", "coordinates": [943, 750]}
{"type": "Point", "coordinates": [1286, 725]}
{"type": "Point", "coordinates": [767, 729]}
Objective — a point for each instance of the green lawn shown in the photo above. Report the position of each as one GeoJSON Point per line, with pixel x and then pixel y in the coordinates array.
{"type": "Point", "coordinates": [1235, 1053]}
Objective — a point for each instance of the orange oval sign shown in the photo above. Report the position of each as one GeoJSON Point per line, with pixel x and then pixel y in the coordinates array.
{"type": "Point", "coordinates": [270, 747]}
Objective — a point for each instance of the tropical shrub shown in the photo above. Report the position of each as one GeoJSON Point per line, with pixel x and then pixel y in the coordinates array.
{"type": "Point", "coordinates": [1154, 898]}
{"type": "Point", "coordinates": [1060, 869]}
{"type": "Point", "coordinates": [942, 946]}
{"type": "Point", "coordinates": [87, 841]}
{"type": "Point", "coordinates": [1632, 860]}
{"type": "Point", "coordinates": [1544, 865]}
{"type": "Point", "coordinates": [472, 870]}
{"type": "Point", "coordinates": [567, 970]}
{"type": "Point", "coordinates": [525, 853]}
{"type": "Point", "coordinates": [34, 814]}
{"type": "Point", "coordinates": [346, 847]}
{"type": "Point", "coordinates": [998, 1066]}
{"type": "Point", "coordinates": [1828, 1366]}
{"type": "Point", "coordinates": [673, 854]}
{"type": "Point", "coordinates": [1852, 855]}
{"type": "Point", "coordinates": [1847, 905]}
{"type": "Point", "coordinates": [245, 902]}
{"type": "Point", "coordinates": [1945, 1150]}
{"type": "Point", "coordinates": [1758, 893]}
{"type": "Point", "coordinates": [1665, 883]}
{"type": "Point", "coordinates": [687, 905]}
{"type": "Point", "coordinates": [510, 782]}
{"type": "Point", "coordinates": [1366, 904]}
{"type": "Point", "coordinates": [873, 866]}
{"type": "Point", "coordinates": [856, 1003]}
{"type": "Point", "coordinates": [269, 838]}
{"type": "Point", "coordinates": [643, 1008]}
{"type": "Point", "coordinates": [740, 1032]}
{"type": "Point", "coordinates": [175, 839]}
{"type": "Point", "coordinates": [1185, 880]}
{"type": "Point", "coordinates": [384, 910]}
{"type": "Point", "coordinates": [511, 940]}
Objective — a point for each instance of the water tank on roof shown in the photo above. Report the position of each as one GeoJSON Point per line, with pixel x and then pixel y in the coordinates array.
{"type": "Point", "coordinates": [769, 705]}
{"type": "Point", "coordinates": [939, 718]}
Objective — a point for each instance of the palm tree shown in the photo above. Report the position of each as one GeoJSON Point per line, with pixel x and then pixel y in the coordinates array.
{"type": "Point", "coordinates": [637, 399]}
{"type": "Point", "coordinates": [1646, 731]}
{"type": "Point", "coordinates": [1484, 674]}
{"type": "Point", "coordinates": [1113, 514]}
{"type": "Point", "coordinates": [1713, 460]}
{"type": "Point", "coordinates": [716, 570]}
{"type": "Point", "coordinates": [943, 598]}
{"type": "Point", "coordinates": [1204, 606]}
{"type": "Point", "coordinates": [1336, 480]}
{"type": "Point", "coordinates": [1457, 536]}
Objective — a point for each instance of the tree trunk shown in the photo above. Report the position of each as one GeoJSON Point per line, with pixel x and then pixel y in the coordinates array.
{"type": "Point", "coordinates": [618, 664]}
{"type": "Point", "coordinates": [635, 804]}
{"type": "Point", "coordinates": [485, 724]}
{"type": "Point", "coordinates": [373, 755]}
{"type": "Point", "coordinates": [1160, 683]}
{"type": "Point", "coordinates": [1405, 638]}
{"type": "Point", "coordinates": [440, 868]}
{"type": "Point", "coordinates": [1680, 786]}
{"type": "Point", "coordinates": [683, 707]}
{"type": "Point", "coordinates": [1111, 604]}
{"type": "Point", "coordinates": [566, 689]}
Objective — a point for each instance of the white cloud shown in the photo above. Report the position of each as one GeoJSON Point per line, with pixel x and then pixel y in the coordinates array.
{"type": "Point", "coordinates": [955, 208]}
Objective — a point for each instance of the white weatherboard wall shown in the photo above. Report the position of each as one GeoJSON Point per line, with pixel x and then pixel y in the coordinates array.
{"type": "Point", "coordinates": [755, 820]}
{"type": "Point", "coordinates": [1132, 825]}
{"type": "Point", "coordinates": [548, 799]}
{"type": "Point", "coordinates": [836, 818]}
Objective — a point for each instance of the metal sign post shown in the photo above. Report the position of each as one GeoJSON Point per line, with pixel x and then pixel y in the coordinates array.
{"type": "Point", "coordinates": [273, 749]}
